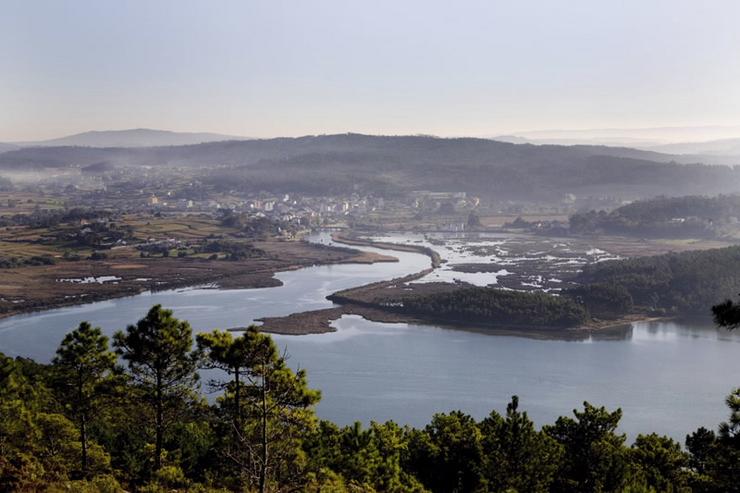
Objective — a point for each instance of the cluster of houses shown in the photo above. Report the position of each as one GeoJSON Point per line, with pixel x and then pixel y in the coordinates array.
{"type": "Point", "coordinates": [436, 201]}
{"type": "Point", "coordinates": [285, 207]}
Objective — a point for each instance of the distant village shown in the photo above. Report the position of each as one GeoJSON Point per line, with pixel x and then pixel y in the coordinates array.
{"type": "Point", "coordinates": [178, 191]}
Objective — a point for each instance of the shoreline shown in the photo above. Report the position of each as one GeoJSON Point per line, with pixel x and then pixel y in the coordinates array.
{"type": "Point", "coordinates": [321, 322]}
{"type": "Point", "coordinates": [350, 302]}
{"type": "Point", "coordinates": [248, 274]}
{"type": "Point", "coordinates": [354, 240]}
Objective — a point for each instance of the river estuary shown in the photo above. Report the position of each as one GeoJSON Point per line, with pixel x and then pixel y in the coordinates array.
{"type": "Point", "coordinates": [667, 377]}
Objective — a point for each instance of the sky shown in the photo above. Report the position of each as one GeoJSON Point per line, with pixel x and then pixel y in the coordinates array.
{"type": "Point", "coordinates": [286, 68]}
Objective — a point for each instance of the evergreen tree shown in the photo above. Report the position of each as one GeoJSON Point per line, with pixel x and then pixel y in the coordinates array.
{"type": "Point", "coordinates": [446, 455]}
{"type": "Point", "coordinates": [83, 366]}
{"type": "Point", "coordinates": [727, 314]}
{"type": "Point", "coordinates": [660, 463]}
{"type": "Point", "coordinates": [715, 457]}
{"type": "Point", "coordinates": [272, 439]}
{"type": "Point", "coordinates": [369, 459]}
{"type": "Point", "coordinates": [158, 350]}
{"type": "Point", "coordinates": [726, 463]}
{"type": "Point", "coordinates": [275, 412]}
{"type": "Point", "coordinates": [20, 467]}
{"type": "Point", "coordinates": [596, 459]}
{"type": "Point", "coordinates": [232, 355]}
{"type": "Point", "coordinates": [516, 456]}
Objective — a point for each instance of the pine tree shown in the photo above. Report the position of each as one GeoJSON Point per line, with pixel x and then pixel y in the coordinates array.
{"type": "Point", "coordinates": [517, 457]}
{"type": "Point", "coordinates": [161, 360]}
{"type": "Point", "coordinates": [83, 366]}
{"type": "Point", "coordinates": [278, 411]}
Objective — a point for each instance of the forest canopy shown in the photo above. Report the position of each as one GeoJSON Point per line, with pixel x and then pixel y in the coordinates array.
{"type": "Point", "coordinates": [664, 217]}
{"type": "Point", "coordinates": [486, 305]}
{"type": "Point", "coordinates": [681, 283]}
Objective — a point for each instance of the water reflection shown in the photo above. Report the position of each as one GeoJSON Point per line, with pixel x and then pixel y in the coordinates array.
{"type": "Point", "coordinates": [622, 332]}
{"type": "Point", "coordinates": [663, 377]}
{"type": "Point", "coordinates": [668, 376]}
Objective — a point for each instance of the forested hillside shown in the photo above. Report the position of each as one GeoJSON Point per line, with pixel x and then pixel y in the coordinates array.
{"type": "Point", "coordinates": [491, 306]}
{"type": "Point", "coordinates": [136, 419]}
{"type": "Point", "coordinates": [665, 217]}
{"type": "Point", "coordinates": [323, 164]}
{"type": "Point", "coordinates": [680, 283]}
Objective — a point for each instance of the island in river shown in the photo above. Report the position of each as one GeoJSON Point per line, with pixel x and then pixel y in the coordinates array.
{"type": "Point", "coordinates": [606, 295]}
{"type": "Point", "coordinates": [467, 271]}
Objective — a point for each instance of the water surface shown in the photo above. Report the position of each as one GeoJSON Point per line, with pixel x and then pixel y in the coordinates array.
{"type": "Point", "coordinates": [667, 377]}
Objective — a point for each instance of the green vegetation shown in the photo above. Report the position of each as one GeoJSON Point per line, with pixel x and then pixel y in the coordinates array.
{"type": "Point", "coordinates": [665, 217]}
{"type": "Point", "coordinates": [682, 284]}
{"type": "Point", "coordinates": [158, 350]}
{"type": "Point", "coordinates": [15, 262]}
{"type": "Point", "coordinates": [83, 368]}
{"type": "Point", "coordinates": [676, 283]}
{"type": "Point", "coordinates": [496, 306]}
{"type": "Point", "coordinates": [608, 301]}
{"type": "Point", "coordinates": [84, 423]}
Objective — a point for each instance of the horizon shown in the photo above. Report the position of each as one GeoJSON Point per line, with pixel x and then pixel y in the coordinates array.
{"type": "Point", "coordinates": [730, 132]}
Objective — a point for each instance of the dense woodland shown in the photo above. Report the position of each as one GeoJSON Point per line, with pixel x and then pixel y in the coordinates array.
{"type": "Point", "coordinates": [672, 284]}
{"type": "Point", "coordinates": [602, 300]}
{"type": "Point", "coordinates": [491, 306]}
{"type": "Point", "coordinates": [675, 283]}
{"type": "Point", "coordinates": [665, 217]}
{"type": "Point", "coordinates": [133, 415]}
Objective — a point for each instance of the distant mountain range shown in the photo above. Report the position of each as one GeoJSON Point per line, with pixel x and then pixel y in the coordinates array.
{"type": "Point", "coordinates": [615, 141]}
{"type": "Point", "coordinates": [7, 147]}
{"type": "Point", "coordinates": [384, 164]}
{"type": "Point", "coordinates": [687, 144]}
{"type": "Point", "coordinates": [630, 137]}
{"type": "Point", "coordinates": [139, 137]}
{"type": "Point", "coordinates": [713, 147]}
{"type": "Point", "coordinates": [716, 151]}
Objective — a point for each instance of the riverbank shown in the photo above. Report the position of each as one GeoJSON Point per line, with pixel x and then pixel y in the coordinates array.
{"type": "Point", "coordinates": [353, 240]}
{"type": "Point", "coordinates": [375, 302]}
{"type": "Point", "coordinates": [322, 321]}
{"type": "Point", "coordinates": [121, 274]}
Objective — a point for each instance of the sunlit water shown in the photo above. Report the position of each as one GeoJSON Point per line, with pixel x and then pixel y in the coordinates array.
{"type": "Point", "coordinates": [667, 377]}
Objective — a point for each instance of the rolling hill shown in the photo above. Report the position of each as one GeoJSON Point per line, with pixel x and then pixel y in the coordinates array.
{"type": "Point", "coordinates": [139, 137]}
{"type": "Point", "coordinates": [385, 164]}
{"type": "Point", "coordinates": [4, 147]}
{"type": "Point", "coordinates": [712, 147]}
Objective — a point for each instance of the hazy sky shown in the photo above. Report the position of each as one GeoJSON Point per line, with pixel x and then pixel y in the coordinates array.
{"type": "Point", "coordinates": [265, 68]}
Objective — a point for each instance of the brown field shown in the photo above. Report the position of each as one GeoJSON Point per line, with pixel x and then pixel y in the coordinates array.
{"type": "Point", "coordinates": [189, 227]}
{"type": "Point", "coordinates": [38, 288]}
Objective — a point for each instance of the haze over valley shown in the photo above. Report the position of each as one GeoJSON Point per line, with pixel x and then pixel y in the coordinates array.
{"type": "Point", "coordinates": [426, 247]}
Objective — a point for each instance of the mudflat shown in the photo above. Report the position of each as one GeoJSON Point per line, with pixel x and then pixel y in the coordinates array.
{"type": "Point", "coordinates": [33, 288]}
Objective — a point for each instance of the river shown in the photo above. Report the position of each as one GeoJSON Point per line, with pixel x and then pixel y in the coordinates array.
{"type": "Point", "coordinates": [667, 377]}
